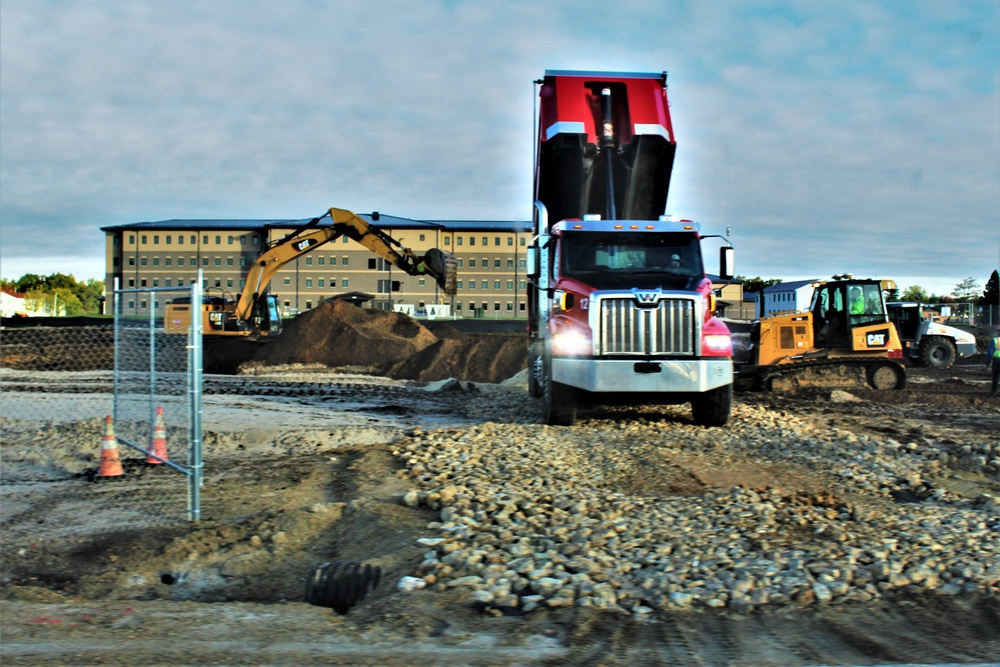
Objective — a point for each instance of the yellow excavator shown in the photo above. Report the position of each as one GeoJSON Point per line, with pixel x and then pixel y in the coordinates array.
{"type": "Point", "coordinates": [845, 339]}
{"type": "Point", "coordinates": [256, 312]}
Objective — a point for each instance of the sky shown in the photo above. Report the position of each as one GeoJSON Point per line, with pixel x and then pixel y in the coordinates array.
{"type": "Point", "coordinates": [828, 137]}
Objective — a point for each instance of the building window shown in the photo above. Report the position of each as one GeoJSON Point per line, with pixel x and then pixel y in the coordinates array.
{"type": "Point", "coordinates": [309, 305]}
{"type": "Point", "coordinates": [167, 261]}
{"type": "Point", "coordinates": [180, 261]}
{"type": "Point", "coordinates": [143, 239]}
{"type": "Point", "coordinates": [204, 261]}
{"type": "Point", "coordinates": [218, 282]}
{"type": "Point", "coordinates": [231, 239]}
{"type": "Point", "coordinates": [472, 263]}
{"type": "Point", "coordinates": [458, 284]}
{"type": "Point", "coordinates": [522, 241]}
{"type": "Point", "coordinates": [447, 240]}
{"type": "Point", "coordinates": [156, 282]}
{"type": "Point", "coordinates": [510, 284]}
{"type": "Point", "coordinates": [510, 306]}
{"type": "Point", "coordinates": [458, 240]}
{"type": "Point", "coordinates": [180, 239]}
{"type": "Point", "coordinates": [142, 283]}
{"type": "Point", "coordinates": [243, 239]}
{"type": "Point", "coordinates": [131, 239]}
{"type": "Point", "coordinates": [288, 281]}
{"type": "Point", "coordinates": [510, 240]}
{"type": "Point", "coordinates": [204, 239]}
{"type": "Point", "coordinates": [194, 239]}
{"type": "Point", "coordinates": [131, 283]}
{"type": "Point", "coordinates": [421, 282]}
{"type": "Point", "coordinates": [229, 282]}
{"type": "Point", "coordinates": [168, 283]}
{"type": "Point", "coordinates": [321, 260]}
{"type": "Point", "coordinates": [218, 261]}
{"type": "Point", "coordinates": [168, 239]}
{"type": "Point", "coordinates": [156, 239]}
{"type": "Point", "coordinates": [142, 304]}
{"type": "Point", "coordinates": [472, 240]}
{"type": "Point", "coordinates": [320, 283]}
{"type": "Point", "coordinates": [520, 263]}
{"type": "Point", "coordinates": [496, 240]}
{"type": "Point", "coordinates": [142, 260]}
{"type": "Point", "coordinates": [229, 261]}
{"type": "Point", "coordinates": [496, 284]}
{"type": "Point", "coordinates": [510, 264]}
{"type": "Point", "coordinates": [131, 261]}
{"type": "Point", "coordinates": [486, 284]}
{"type": "Point", "coordinates": [421, 237]}
{"type": "Point", "coordinates": [496, 305]}
{"type": "Point", "coordinates": [458, 263]}
{"type": "Point", "coordinates": [156, 261]}
{"type": "Point", "coordinates": [309, 261]}
{"type": "Point", "coordinates": [343, 283]}
{"type": "Point", "coordinates": [256, 240]}
{"type": "Point", "coordinates": [309, 282]}
{"type": "Point", "coordinates": [486, 240]}
{"type": "Point", "coordinates": [521, 284]}
{"type": "Point", "coordinates": [496, 263]}
{"type": "Point", "coordinates": [343, 260]}
{"type": "Point", "coordinates": [218, 240]}
{"type": "Point", "coordinates": [472, 285]}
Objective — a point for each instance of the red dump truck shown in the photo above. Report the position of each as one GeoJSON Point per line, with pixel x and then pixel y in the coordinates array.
{"type": "Point", "coordinates": [620, 307]}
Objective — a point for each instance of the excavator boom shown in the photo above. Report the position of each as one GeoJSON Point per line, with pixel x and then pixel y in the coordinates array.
{"type": "Point", "coordinates": [247, 316]}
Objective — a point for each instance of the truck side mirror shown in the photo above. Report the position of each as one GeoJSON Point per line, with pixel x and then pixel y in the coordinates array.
{"type": "Point", "coordinates": [726, 268]}
{"type": "Point", "coordinates": [531, 261]}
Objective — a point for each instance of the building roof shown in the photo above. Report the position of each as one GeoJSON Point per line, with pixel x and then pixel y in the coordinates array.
{"type": "Point", "coordinates": [384, 221]}
{"type": "Point", "coordinates": [789, 286]}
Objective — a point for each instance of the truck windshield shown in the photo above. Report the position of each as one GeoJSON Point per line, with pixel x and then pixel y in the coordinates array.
{"type": "Point", "coordinates": [614, 260]}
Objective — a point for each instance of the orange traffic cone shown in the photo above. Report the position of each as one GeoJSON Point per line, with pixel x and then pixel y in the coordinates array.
{"type": "Point", "coordinates": [111, 463]}
{"type": "Point", "coordinates": [157, 453]}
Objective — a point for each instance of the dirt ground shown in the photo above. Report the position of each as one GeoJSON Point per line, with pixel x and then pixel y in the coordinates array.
{"type": "Point", "coordinates": [300, 469]}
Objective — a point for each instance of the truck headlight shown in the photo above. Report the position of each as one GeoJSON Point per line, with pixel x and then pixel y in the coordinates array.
{"type": "Point", "coordinates": [718, 343]}
{"type": "Point", "coordinates": [570, 344]}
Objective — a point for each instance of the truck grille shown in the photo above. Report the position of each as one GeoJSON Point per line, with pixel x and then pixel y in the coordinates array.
{"type": "Point", "coordinates": [666, 328]}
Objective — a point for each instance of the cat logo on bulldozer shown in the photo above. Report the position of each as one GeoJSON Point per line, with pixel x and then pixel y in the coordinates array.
{"type": "Point", "coordinates": [878, 338]}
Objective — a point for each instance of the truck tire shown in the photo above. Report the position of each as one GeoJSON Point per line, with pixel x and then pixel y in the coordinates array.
{"type": "Point", "coordinates": [712, 407]}
{"type": "Point", "coordinates": [936, 352]}
{"type": "Point", "coordinates": [558, 400]}
{"type": "Point", "coordinates": [535, 373]}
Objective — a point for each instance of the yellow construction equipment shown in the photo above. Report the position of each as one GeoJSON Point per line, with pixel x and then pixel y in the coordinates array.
{"type": "Point", "coordinates": [256, 313]}
{"type": "Point", "coordinates": [845, 339]}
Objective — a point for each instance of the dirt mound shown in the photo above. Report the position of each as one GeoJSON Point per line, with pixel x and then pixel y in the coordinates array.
{"type": "Point", "coordinates": [338, 334]}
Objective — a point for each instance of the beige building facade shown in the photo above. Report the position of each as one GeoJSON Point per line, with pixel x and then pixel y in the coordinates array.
{"type": "Point", "coordinates": [490, 256]}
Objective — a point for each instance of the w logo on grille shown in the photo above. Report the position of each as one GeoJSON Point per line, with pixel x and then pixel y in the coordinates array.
{"type": "Point", "coordinates": [646, 298]}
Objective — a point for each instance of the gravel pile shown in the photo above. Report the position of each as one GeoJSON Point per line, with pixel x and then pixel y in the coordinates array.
{"type": "Point", "coordinates": [530, 517]}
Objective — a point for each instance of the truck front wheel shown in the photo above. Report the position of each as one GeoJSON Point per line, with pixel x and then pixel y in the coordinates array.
{"type": "Point", "coordinates": [558, 400]}
{"type": "Point", "coordinates": [712, 408]}
{"type": "Point", "coordinates": [937, 353]}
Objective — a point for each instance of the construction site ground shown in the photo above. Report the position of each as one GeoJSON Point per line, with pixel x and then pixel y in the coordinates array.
{"type": "Point", "coordinates": [302, 467]}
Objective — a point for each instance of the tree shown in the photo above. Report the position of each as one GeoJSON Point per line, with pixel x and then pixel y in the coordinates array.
{"type": "Point", "coordinates": [756, 284]}
{"type": "Point", "coordinates": [915, 293]}
{"type": "Point", "coordinates": [59, 294]}
{"type": "Point", "coordinates": [966, 291]}
{"type": "Point", "coordinates": [991, 295]}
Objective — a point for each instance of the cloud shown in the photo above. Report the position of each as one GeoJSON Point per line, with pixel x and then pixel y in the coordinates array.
{"type": "Point", "coordinates": [861, 137]}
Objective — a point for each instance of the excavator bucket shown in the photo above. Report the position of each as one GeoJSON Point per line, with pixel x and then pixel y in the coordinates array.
{"type": "Point", "coordinates": [444, 268]}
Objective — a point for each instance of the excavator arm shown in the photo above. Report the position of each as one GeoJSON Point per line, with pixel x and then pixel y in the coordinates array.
{"type": "Point", "coordinates": [436, 263]}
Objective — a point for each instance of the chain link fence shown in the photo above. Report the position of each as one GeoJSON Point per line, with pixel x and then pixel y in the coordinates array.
{"type": "Point", "coordinates": [74, 391]}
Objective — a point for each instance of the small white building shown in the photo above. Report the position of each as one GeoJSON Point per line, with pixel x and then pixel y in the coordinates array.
{"type": "Point", "coordinates": [783, 297]}
{"type": "Point", "coordinates": [12, 304]}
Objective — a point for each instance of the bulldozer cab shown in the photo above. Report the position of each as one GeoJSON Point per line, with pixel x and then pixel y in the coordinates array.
{"type": "Point", "coordinates": [840, 308]}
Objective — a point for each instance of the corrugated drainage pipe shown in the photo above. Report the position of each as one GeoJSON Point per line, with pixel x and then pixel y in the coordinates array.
{"type": "Point", "coordinates": [340, 585]}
